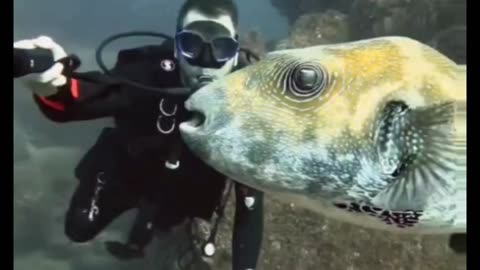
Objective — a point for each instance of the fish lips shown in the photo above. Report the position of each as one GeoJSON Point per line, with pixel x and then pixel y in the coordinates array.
{"type": "Point", "coordinates": [196, 121]}
{"type": "Point", "coordinates": [208, 111]}
{"type": "Point", "coordinates": [197, 116]}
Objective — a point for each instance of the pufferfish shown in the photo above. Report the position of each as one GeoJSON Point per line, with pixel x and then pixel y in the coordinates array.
{"type": "Point", "coordinates": [371, 132]}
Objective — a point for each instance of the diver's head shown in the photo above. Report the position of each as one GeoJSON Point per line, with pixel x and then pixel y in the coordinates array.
{"type": "Point", "coordinates": [206, 41]}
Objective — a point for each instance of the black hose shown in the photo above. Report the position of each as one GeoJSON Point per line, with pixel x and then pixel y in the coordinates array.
{"type": "Point", "coordinates": [180, 91]}
{"type": "Point", "coordinates": [39, 60]}
{"type": "Point", "coordinates": [167, 91]}
{"type": "Point", "coordinates": [107, 41]}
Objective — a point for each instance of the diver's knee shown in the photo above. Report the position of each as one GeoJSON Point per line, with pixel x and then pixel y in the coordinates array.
{"type": "Point", "coordinates": [76, 237]}
{"type": "Point", "coordinates": [78, 227]}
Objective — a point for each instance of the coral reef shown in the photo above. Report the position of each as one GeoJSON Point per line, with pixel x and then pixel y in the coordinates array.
{"type": "Point", "coordinates": [441, 23]}
{"type": "Point", "coordinates": [326, 27]}
{"type": "Point", "coordinates": [293, 9]}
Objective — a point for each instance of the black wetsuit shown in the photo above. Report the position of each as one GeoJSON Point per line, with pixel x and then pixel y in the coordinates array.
{"type": "Point", "coordinates": [126, 169]}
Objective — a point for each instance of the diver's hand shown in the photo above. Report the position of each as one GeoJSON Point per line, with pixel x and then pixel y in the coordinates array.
{"type": "Point", "coordinates": [47, 82]}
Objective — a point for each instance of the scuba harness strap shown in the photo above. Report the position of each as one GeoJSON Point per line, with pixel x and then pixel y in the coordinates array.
{"type": "Point", "coordinates": [208, 248]}
{"type": "Point", "coordinates": [220, 210]}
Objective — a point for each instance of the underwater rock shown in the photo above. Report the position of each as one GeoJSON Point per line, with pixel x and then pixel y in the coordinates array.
{"type": "Point", "coordinates": [326, 27]}
{"type": "Point", "coordinates": [411, 18]}
{"type": "Point", "coordinates": [274, 45]}
{"type": "Point", "coordinates": [418, 19]}
{"type": "Point", "coordinates": [453, 43]}
{"type": "Point", "coordinates": [440, 23]}
{"type": "Point", "coordinates": [292, 9]}
{"type": "Point", "coordinates": [312, 29]}
{"type": "Point", "coordinates": [253, 41]}
{"type": "Point", "coordinates": [451, 12]}
{"type": "Point", "coordinates": [295, 238]}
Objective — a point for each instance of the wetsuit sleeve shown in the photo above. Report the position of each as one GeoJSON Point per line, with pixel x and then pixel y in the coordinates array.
{"type": "Point", "coordinates": [83, 100]}
{"type": "Point", "coordinates": [247, 227]}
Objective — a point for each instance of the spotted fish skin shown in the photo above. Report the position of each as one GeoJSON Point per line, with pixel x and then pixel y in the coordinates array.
{"type": "Point", "coordinates": [381, 123]}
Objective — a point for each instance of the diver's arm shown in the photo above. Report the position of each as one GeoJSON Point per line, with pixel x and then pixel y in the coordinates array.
{"type": "Point", "coordinates": [95, 94]}
{"type": "Point", "coordinates": [247, 228]}
{"type": "Point", "coordinates": [63, 99]}
{"type": "Point", "coordinates": [83, 100]}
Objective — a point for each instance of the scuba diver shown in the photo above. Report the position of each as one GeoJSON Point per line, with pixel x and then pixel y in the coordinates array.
{"type": "Point", "coordinates": [142, 162]}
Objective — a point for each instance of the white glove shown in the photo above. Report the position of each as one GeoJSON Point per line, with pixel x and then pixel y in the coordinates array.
{"type": "Point", "coordinates": [46, 83]}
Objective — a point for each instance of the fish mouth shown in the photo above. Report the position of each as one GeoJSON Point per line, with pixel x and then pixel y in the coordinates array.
{"type": "Point", "coordinates": [196, 121]}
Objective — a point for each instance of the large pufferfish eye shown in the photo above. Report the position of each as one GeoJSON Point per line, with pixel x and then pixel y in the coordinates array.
{"type": "Point", "coordinates": [307, 80]}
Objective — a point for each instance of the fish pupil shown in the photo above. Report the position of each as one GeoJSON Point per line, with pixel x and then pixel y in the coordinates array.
{"type": "Point", "coordinates": [306, 79]}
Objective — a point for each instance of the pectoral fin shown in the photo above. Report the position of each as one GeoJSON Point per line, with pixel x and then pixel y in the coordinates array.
{"type": "Point", "coordinates": [433, 154]}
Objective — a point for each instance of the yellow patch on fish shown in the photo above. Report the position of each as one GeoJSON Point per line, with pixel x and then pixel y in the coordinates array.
{"type": "Point", "coordinates": [374, 61]}
{"type": "Point", "coordinates": [362, 76]}
{"type": "Point", "coordinates": [259, 102]}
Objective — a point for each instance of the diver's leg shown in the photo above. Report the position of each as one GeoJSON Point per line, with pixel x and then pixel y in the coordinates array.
{"type": "Point", "coordinates": [103, 192]}
{"type": "Point", "coordinates": [140, 235]}
{"type": "Point", "coordinates": [201, 202]}
{"type": "Point", "coordinates": [153, 202]}
{"type": "Point", "coordinates": [96, 202]}
{"type": "Point", "coordinates": [199, 197]}
{"type": "Point", "coordinates": [247, 228]}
